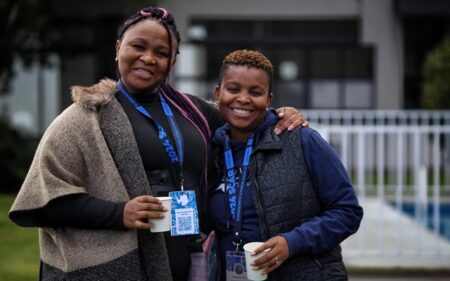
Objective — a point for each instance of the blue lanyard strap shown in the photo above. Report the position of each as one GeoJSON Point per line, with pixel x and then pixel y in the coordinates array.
{"type": "Point", "coordinates": [174, 128]}
{"type": "Point", "coordinates": [174, 156]}
{"type": "Point", "coordinates": [235, 195]}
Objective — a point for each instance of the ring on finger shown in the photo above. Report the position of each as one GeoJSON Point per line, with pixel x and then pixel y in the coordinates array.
{"type": "Point", "coordinates": [277, 261]}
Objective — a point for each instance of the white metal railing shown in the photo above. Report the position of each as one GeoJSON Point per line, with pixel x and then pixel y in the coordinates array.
{"type": "Point", "coordinates": [394, 166]}
{"type": "Point", "coordinates": [378, 117]}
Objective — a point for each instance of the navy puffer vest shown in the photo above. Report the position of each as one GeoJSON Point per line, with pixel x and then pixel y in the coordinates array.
{"type": "Point", "coordinates": [285, 198]}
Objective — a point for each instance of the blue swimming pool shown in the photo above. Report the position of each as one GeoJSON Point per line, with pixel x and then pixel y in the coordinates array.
{"type": "Point", "coordinates": [444, 213]}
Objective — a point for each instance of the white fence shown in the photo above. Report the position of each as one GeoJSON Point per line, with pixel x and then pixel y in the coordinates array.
{"type": "Point", "coordinates": [399, 161]}
{"type": "Point", "coordinates": [378, 117]}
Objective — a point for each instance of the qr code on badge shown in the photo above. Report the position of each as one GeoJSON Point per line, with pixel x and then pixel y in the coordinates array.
{"type": "Point", "coordinates": [184, 213]}
{"type": "Point", "coordinates": [185, 221]}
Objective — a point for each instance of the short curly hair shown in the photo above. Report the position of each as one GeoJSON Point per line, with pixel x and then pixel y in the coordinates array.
{"type": "Point", "coordinates": [249, 58]}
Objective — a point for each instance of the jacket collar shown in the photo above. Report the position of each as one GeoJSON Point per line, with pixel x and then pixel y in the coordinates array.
{"type": "Point", "coordinates": [268, 141]}
{"type": "Point", "coordinates": [91, 98]}
{"type": "Point", "coordinates": [265, 138]}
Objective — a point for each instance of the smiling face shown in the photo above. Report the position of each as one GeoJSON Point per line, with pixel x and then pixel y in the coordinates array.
{"type": "Point", "coordinates": [143, 56]}
{"type": "Point", "coordinates": [243, 97]}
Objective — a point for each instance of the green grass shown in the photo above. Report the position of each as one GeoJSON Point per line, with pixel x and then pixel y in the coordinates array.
{"type": "Point", "coordinates": [19, 247]}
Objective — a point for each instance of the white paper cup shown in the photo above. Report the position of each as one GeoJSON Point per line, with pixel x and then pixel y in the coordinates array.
{"type": "Point", "coordinates": [163, 224]}
{"type": "Point", "coordinates": [252, 274]}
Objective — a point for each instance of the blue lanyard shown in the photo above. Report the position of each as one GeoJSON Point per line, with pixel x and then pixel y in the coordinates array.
{"type": "Point", "coordinates": [163, 137]}
{"type": "Point", "coordinates": [235, 196]}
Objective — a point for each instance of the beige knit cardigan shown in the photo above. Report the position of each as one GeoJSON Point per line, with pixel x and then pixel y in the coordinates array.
{"type": "Point", "coordinates": [90, 148]}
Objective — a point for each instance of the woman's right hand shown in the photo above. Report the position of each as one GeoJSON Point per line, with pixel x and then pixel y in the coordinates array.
{"type": "Point", "coordinates": [141, 208]}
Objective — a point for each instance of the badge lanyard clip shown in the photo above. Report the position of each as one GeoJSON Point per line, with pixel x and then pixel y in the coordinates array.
{"type": "Point", "coordinates": [237, 243]}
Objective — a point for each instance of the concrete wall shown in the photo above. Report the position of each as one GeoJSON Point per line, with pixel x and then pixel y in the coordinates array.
{"type": "Point", "coordinates": [382, 29]}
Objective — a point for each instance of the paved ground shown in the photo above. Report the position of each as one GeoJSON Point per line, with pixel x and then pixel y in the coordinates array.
{"type": "Point", "coordinates": [388, 239]}
{"type": "Point", "coordinates": [395, 248]}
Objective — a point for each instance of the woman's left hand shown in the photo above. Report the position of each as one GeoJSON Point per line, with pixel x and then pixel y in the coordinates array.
{"type": "Point", "coordinates": [278, 254]}
{"type": "Point", "coordinates": [290, 118]}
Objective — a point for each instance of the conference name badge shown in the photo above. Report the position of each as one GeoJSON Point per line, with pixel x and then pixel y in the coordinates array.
{"type": "Point", "coordinates": [184, 213]}
{"type": "Point", "coordinates": [235, 266]}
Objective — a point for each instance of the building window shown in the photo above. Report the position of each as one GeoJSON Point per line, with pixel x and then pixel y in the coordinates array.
{"type": "Point", "coordinates": [318, 64]}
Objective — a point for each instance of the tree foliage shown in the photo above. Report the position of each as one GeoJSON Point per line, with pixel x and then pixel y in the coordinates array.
{"type": "Point", "coordinates": [26, 32]}
{"type": "Point", "coordinates": [436, 85]}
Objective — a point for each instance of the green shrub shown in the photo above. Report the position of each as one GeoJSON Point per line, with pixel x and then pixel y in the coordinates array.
{"type": "Point", "coordinates": [16, 154]}
{"type": "Point", "coordinates": [436, 85]}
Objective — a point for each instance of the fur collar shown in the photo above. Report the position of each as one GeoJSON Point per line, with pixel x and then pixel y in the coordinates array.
{"type": "Point", "coordinates": [94, 96]}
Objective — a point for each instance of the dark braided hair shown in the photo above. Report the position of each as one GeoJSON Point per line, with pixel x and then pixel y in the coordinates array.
{"type": "Point", "coordinates": [249, 58]}
{"type": "Point", "coordinates": [158, 14]}
{"type": "Point", "coordinates": [176, 99]}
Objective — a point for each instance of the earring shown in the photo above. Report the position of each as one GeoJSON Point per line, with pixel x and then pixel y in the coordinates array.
{"type": "Point", "coordinates": [116, 59]}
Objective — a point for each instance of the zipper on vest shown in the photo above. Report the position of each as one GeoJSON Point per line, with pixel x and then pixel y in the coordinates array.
{"type": "Point", "coordinates": [275, 275]}
{"type": "Point", "coordinates": [254, 166]}
{"type": "Point", "coordinates": [261, 210]}
{"type": "Point", "coordinates": [320, 265]}
{"type": "Point", "coordinates": [258, 204]}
